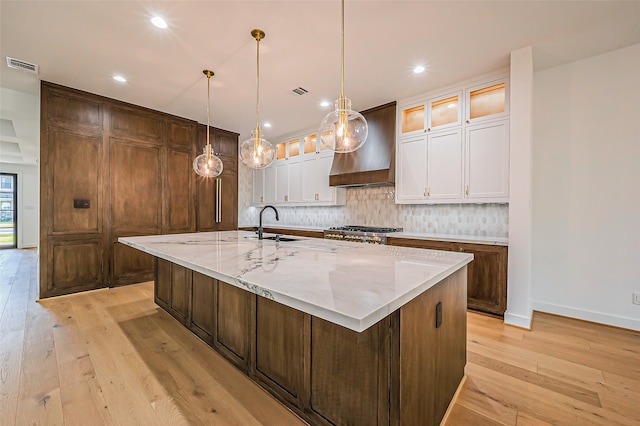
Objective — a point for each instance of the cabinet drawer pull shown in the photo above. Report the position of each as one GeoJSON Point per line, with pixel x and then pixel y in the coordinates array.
{"type": "Point", "coordinates": [466, 189]}
{"type": "Point", "coordinates": [218, 200]}
{"type": "Point", "coordinates": [428, 192]}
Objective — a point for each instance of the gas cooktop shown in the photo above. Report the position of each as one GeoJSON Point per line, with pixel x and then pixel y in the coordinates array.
{"type": "Point", "coordinates": [355, 228]}
{"type": "Point", "coordinates": [362, 234]}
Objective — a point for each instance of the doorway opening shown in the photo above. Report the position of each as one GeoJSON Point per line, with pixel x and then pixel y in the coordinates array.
{"type": "Point", "coordinates": [8, 211]}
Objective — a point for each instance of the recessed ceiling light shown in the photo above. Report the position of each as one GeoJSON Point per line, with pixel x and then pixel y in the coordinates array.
{"type": "Point", "coordinates": [451, 105]}
{"type": "Point", "coordinates": [324, 103]}
{"type": "Point", "coordinates": [119, 78]}
{"type": "Point", "coordinates": [418, 69]}
{"type": "Point", "coordinates": [267, 124]}
{"type": "Point", "coordinates": [158, 22]}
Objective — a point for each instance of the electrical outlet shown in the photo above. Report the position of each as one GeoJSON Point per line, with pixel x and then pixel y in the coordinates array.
{"type": "Point", "coordinates": [636, 298]}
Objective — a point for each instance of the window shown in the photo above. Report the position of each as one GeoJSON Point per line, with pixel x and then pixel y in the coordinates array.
{"type": "Point", "coordinates": [6, 182]}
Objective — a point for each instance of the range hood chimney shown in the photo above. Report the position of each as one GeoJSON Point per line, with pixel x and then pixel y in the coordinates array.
{"type": "Point", "coordinates": [374, 163]}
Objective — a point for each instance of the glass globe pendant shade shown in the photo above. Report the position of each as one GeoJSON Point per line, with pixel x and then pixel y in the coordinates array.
{"type": "Point", "coordinates": [256, 152]}
{"type": "Point", "coordinates": [207, 165]}
{"type": "Point", "coordinates": [343, 130]}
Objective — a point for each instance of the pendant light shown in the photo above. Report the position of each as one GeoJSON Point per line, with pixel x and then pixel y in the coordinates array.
{"type": "Point", "coordinates": [256, 152]}
{"type": "Point", "coordinates": [208, 164]}
{"type": "Point", "coordinates": [343, 130]}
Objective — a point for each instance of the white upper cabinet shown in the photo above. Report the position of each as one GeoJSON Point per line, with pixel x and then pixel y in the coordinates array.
{"type": "Point", "coordinates": [299, 175]}
{"type": "Point", "coordinates": [444, 112]}
{"type": "Point", "coordinates": [270, 184]}
{"type": "Point", "coordinates": [487, 160]}
{"type": "Point", "coordinates": [412, 120]}
{"type": "Point", "coordinates": [287, 166]}
{"type": "Point", "coordinates": [430, 168]}
{"type": "Point", "coordinates": [411, 170]}
{"type": "Point", "coordinates": [454, 146]}
{"type": "Point", "coordinates": [444, 165]}
{"type": "Point", "coordinates": [488, 101]}
{"type": "Point", "coordinates": [316, 167]}
{"type": "Point", "coordinates": [258, 186]}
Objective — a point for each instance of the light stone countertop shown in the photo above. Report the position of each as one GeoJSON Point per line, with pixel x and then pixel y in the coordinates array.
{"type": "Point", "coordinates": [470, 239]}
{"type": "Point", "coordinates": [351, 284]}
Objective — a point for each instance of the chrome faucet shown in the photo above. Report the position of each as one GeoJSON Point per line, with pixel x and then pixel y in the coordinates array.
{"type": "Point", "coordinates": [262, 211]}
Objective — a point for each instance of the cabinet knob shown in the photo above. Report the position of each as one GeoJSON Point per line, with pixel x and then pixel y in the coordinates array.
{"type": "Point", "coordinates": [429, 129]}
{"type": "Point", "coordinates": [468, 121]}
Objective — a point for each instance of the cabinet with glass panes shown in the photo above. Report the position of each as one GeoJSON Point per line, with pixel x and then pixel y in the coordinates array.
{"type": "Point", "coordinates": [469, 125]}
{"type": "Point", "coordinates": [287, 165]}
{"type": "Point", "coordinates": [488, 101]}
{"type": "Point", "coordinates": [442, 112]}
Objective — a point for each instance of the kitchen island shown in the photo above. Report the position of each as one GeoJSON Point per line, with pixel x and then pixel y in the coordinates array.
{"type": "Point", "coordinates": [342, 333]}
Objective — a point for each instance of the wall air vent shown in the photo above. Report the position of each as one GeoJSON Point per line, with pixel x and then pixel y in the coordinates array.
{"type": "Point", "coordinates": [300, 91]}
{"type": "Point", "coordinates": [22, 65]}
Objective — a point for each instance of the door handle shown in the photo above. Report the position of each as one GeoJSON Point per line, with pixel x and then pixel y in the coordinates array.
{"type": "Point", "coordinates": [218, 200]}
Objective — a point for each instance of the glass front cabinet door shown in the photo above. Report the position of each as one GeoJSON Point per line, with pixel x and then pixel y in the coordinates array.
{"type": "Point", "coordinates": [412, 120]}
{"type": "Point", "coordinates": [444, 112]}
{"type": "Point", "coordinates": [487, 101]}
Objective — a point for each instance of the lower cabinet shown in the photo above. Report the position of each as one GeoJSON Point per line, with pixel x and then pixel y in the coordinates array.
{"type": "Point", "coordinates": [172, 289]}
{"type": "Point", "coordinates": [403, 370]}
{"type": "Point", "coordinates": [232, 309]}
{"type": "Point", "coordinates": [486, 276]}
{"type": "Point", "coordinates": [201, 320]}
{"type": "Point", "coordinates": [280, 349]}
{"type": "Point", "coordinates": [343, 363]}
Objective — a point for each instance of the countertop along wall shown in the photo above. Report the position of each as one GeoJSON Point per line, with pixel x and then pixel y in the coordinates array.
{"type": "Point", "coordinates": [375, 206]}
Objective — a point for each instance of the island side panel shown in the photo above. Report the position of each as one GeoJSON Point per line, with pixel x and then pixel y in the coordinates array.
{"type": "Point", "coordinates": [201, 319]}
{"type": "Point", "coordinates": [350, 374]}
{"type": "Point", "coordinates": [280, 350]}
{"type": "Point", "coordinates": [232, 308]}
{"type": "Point", "coordinates": [432, 360]}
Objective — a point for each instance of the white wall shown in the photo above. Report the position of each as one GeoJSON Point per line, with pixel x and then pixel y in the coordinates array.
{"type": "Point", "coordinates": [520, 169]}
{"type": "Point", "coordinates": [28, 202]}
{"type": "Point", "coordinates": [586, 189]}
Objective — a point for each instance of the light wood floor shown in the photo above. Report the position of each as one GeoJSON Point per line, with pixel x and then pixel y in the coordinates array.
{"type": "Point", "coordinates": [113, 357]}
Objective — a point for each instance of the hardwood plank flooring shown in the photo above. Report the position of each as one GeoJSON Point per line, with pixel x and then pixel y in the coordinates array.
{"type": "Point", "coordinates": [113, 357]}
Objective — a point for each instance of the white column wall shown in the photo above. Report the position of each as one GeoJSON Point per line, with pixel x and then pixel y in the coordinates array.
{"type": "Point", "coordinates": [520, 199]}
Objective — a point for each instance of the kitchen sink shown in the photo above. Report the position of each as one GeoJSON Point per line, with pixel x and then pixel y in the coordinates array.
{"type": "Point", "coordinates": [281, 239]}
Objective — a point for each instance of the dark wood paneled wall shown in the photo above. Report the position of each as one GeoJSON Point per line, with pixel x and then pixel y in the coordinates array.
{"type": "Point", "coordinates": [133, 168]}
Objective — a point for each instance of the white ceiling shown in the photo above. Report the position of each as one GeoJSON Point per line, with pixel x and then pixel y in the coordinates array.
{"type": "Point", "coordinates": [82, 44]}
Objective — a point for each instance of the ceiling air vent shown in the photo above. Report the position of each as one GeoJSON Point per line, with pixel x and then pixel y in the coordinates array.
{"type": "Point", "coordinates": [22, 65]}
{"type": "Point", "coordinates": [300, 91]}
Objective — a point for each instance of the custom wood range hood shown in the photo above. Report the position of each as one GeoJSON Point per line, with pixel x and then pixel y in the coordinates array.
{"type": "Point", "coordinates": [374, 163]}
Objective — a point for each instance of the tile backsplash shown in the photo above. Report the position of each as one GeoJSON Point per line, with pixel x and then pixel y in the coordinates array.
{"type": "Point", "coordinates": [375, 206]}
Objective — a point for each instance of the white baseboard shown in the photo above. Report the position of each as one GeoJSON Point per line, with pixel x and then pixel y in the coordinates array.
{"type": "Point", "coordinates": [517, 320]}
{"type": "Point", "coordinates": [597, 317]}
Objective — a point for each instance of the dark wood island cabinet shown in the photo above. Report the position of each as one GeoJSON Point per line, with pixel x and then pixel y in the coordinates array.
{"type": "Point", "coordinates": [402, 370]}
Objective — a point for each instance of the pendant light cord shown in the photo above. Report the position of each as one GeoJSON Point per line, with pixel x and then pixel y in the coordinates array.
{"type": "Point", "coordinates": [258, 85]}
{"type": "Point", "coordinates": [208, 108]}
{"type": "Point", "coordinates": [342, 55]}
